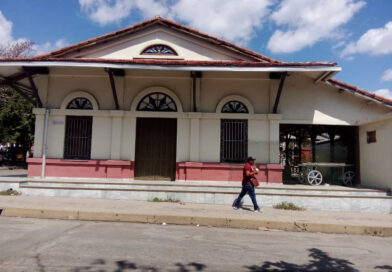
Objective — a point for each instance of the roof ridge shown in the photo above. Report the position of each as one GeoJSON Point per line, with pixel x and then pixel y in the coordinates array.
{"type": "Point", "coordinates": [361, 91]}
{"type": "Point", "coordinates": [163, 21]}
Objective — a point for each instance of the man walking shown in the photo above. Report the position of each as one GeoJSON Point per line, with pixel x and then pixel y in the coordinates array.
{"type": "Point", "coordinates": [248, 174]}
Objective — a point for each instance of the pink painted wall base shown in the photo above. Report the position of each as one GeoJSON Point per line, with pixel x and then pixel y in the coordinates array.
{"type": "Point", "coordinates": [117, 169]}
{"type": "Point", "coordinates": [81, 169]}
{"type": "Point", "coordinates": [199, 171]}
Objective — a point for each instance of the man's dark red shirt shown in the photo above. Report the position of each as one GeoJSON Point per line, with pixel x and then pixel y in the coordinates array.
{"type": "Point", "coordinates": [245, 179]}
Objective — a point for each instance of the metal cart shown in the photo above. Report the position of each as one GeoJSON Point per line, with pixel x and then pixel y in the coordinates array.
{"type": "Point", "coordinates": [312, 172]}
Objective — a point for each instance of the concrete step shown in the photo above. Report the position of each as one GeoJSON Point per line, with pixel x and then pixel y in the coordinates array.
{"type": "Point", "coordinates": [200, 188]}
{"type": "Point", "coordinates": [317, 200]}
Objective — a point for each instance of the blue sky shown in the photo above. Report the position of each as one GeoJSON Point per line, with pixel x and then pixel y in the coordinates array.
{"type": "Point", "coordinates": [357, 34]}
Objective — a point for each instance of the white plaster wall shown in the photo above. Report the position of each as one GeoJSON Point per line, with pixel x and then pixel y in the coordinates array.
{"type": "Point", "coordinates": [210, 140]}
{"type": "Point", "coordinates": [186, 46]}
{"type": "Point", "coordinates": [183, 140]}
{"type": "Point", "coordinates": [213, 90]}
{"type": "Point", "coordinates": [128, 139]}
{"type": "Point", "coordinates": [101, 138]}
{"type": "Point", "coordinates": [39, 132]}
{"type": "Point", "coordinates": [376, 158]}
{"type": "Point", "coordinates": [258, 140]}
{"type": "Point", "coordinates": [179, 83]}
{"type": "Point", "coordinates": [97, 85]}
{"type": "Point", "coordinates": [56, 134]}
{"type": "Point", "coordinates": [303, 101]}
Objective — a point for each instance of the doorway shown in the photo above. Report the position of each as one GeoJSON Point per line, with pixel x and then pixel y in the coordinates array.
{"type": "Point", "coordinates": [156, 145]}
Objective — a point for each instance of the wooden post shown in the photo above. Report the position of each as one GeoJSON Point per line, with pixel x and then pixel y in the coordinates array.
{"type": "Point", "coordinates": [313, 136]}
{"type": "Point", "coordinates": [286, 151]}
{"type": "Point", "coordinates": [332, 134]}
{"type": "Point", "coordinates": [299, 142]}
{"type": "Point", "coordinates": [280, 88]}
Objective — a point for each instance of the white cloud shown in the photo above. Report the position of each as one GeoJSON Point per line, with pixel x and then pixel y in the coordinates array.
{"type": "Point", "coordinates": [39, 49]}
{"type": "Point", "coordinates": [376, 41]}
{"type": "Point", "coordinates": [384, 93]}
{"type": "Point", "coordinates": [235, 20]}
{"type": "Point", "coordinates": [387, 75]}
{"type": "Point", "coordinates": [309, 21]}
{"type": "Point", "coordinates": [109, 11]}
{"type": "Point", "coordinates": [6, 38]}
{"type": "Point", "coordinates": [5, 30]}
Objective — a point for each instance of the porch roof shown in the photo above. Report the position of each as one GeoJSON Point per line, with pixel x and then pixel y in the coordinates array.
{"type": "Point", "coordinates": [320, 71]}
{"type": "Point", "coordinates": [179, 65]}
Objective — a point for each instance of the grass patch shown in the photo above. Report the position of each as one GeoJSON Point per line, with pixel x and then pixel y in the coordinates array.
{"type": "Point", "coordinates": [9, 192]}
{"type": "Point", "coordinates": [170, 200]}
{"type": "Point", "coordinates": [288, 206]}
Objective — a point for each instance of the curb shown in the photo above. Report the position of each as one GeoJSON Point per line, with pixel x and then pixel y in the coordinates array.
{"type": "Point", "coordinates": [258, 224]}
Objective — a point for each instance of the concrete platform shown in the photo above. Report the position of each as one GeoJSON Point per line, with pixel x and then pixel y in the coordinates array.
{"type": "Point", "coordinates": [335, 198]}
{"type": "Point", "coordinates": [195, 214]}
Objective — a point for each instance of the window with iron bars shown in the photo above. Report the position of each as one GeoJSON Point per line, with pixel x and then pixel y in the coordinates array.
{"type": "Point", "coordinates": [78, 131]}
{"type": "Point", "coordinates": [234, 140]}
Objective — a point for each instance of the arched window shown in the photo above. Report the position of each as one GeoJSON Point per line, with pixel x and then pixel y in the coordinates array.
{"type": "Point", "coordinates": [234, 107]}
{"type": "Point", "coordinates": [80, 103]}
{"type": "Point", "coordinates": [159, 49]}
{"type": "Point", "coordinates": [157, 102]}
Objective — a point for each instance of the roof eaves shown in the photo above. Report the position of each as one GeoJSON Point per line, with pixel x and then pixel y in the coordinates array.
{"type": "Point", "coordinates": [354, 89]}
{"type": "Point", "coordinates": [169, 62]}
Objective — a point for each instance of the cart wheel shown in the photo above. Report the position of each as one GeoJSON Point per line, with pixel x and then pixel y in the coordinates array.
{"type": "Point", "coordinates": [301, 177]}
{"type": "Point", "coordinates": [348, 177]}
{"type": "Point", "coordinates": [315, 177]}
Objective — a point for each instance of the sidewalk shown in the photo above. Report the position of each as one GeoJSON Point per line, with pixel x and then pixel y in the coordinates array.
{"type": "Point", "coordinates": [195, 214]}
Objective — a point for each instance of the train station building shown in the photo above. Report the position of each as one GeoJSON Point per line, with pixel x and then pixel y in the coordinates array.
{"type": "Point", "coordinates": [162, 101]}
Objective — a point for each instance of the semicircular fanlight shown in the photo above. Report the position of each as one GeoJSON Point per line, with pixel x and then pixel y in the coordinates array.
{"type": "Point", "coordinates": [234, 107]}
{"type": "Point", "coordinates": [80, 103]}
{"type": "Point", "coordinates": [157, 102]}
{"type": "Point", "coordinates": [159, 49]}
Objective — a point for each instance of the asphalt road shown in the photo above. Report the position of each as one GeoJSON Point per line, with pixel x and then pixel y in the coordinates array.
{"type": "Point", "coordinates": [55, 245]}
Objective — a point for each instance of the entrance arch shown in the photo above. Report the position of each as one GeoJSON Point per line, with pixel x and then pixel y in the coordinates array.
{"type": "Point", "coordinates": [156, 89]}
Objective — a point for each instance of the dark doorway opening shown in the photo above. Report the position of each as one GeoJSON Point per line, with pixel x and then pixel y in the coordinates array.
{"type": "Point", "coordinates": [309, 152]}
{"type": "Point", "coordinates": [156, 145]}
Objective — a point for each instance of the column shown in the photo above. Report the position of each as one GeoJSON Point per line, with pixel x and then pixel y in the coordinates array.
{"type": "Point", "coordinates": [194, 142]}
{"type": "Point", "coordinates": [274, 141]}
{"type": "Point", "coordinates": [116, 134]}
{"type": "Point", "coordinates": [39, 131]}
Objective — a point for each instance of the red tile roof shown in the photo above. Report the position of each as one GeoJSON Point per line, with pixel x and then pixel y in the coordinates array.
{"type": "Point", "coordinates": [162, 21]}
{"type": "Point", "coordinates": [168, 62]}
{"type": "Point", "coordinates": [355, 89]}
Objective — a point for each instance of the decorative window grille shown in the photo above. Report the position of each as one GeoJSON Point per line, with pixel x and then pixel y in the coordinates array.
{"type": "Point", "coordinates": [157, 102]}
{"type": "Point", "coordinates": [234, 107]}
{"type": "Point", "coordinates": [80, 103]}
{"type": "Point", "coordinates": [78, 131]}
{"type": "Point", "coordinates": [234, 140]}
{"type": "Point", "coordinates": [159, 49]}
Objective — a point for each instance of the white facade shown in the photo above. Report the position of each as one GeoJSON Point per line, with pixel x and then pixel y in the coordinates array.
{"type": "Point", "coordinates": [305, 99]}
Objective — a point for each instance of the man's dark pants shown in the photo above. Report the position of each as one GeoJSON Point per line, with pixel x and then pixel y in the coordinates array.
{"type": "Point", "coordinates": [250, 190]}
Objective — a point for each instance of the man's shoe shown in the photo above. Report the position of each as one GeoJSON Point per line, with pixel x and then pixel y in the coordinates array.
{"type": "Point", "coordinates": [235, 208]}
{"type": "Point", "coordinates": [258, 210]}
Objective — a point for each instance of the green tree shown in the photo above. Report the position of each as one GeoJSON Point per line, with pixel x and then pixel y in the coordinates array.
{"type": "Point", "coordinates": [16, 118]}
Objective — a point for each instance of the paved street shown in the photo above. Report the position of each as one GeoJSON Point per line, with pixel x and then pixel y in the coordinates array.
{"type": "Point", "coordinates": [55, 245]}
